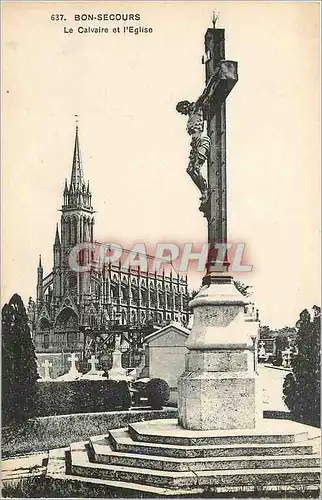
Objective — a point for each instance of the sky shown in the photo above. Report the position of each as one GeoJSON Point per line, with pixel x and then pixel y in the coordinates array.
{"type": "Point", "coordinates": [124, 88]}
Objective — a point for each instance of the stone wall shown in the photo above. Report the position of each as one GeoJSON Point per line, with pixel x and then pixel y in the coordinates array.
{"type": "Point", "coordinates": [166, 353]}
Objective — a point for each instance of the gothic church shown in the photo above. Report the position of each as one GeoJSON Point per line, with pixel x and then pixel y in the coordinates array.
{"type": "Point", "coordinates": [70, 303]}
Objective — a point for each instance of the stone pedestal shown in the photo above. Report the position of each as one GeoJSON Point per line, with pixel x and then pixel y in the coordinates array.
{"type": "Point", "coordinates": [217, 389]}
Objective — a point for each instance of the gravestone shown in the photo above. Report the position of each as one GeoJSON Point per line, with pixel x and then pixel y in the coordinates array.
{"type": "Point", "coordinates": [59, 360]}
{"type": "Point", "coordinates": [73, 373]}
{"type": "Point", "coordinates": [117, 372]}
{"type": "Point", "coordinates": [93, 373]}
{"type": "Point", "coordinates": [46, 373]}
{"type": "Point", "coordinates": [262, 356]}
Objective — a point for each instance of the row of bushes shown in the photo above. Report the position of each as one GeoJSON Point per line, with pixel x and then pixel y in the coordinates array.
{"type": "Point", "coordinates": [80, 396]}
{"type": "Point", "coordinates": [89, 396]}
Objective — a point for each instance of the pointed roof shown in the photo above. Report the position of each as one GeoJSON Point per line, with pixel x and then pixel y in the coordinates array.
{"type": "Point", "coordinates": [173, 325]}
{"type": "Point", "coordinates": [77, 177]}
{"type": "Point", "coordinates": [40, 263]}
{"type": "Point", "coordinates": [57, 238]}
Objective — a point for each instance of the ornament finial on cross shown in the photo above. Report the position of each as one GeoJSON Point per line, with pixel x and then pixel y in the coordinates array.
{"type": "Point", "coordinates": [215, 17]}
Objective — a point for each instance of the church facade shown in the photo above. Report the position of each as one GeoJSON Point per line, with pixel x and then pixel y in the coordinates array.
{"type": "Point", "coordinates": [70, 303]}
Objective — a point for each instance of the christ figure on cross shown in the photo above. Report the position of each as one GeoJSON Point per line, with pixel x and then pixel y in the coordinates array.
{"type": "Point", "coordinates": [197, 112]}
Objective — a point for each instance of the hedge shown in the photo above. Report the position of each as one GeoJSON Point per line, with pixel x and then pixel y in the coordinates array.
{"type": "Point", "coordinates": [80, 396]}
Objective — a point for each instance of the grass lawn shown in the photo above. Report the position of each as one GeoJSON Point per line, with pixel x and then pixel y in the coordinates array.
{"type": "Point", "coordinates": [45, 433]}
{"type": "Point", "coordinates": [40, 487]}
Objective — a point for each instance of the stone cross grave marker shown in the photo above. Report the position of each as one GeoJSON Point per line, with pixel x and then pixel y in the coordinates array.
{"type": "Point", "coordinates": [46, 365]}
{"type": "Point", "coordinates": [73, 358]}
{"type": "Point", "coordinates": [92, 361]}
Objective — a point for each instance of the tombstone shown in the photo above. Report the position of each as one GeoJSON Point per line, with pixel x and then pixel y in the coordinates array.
{"type": "Point", "coordinates": [73, 373]}
{"type": "Point", "coordinates": [93, 373]}
{"type": "Point", "coordinates": [262, 353]}
{"type": "Point", "coordinates": [117, 372]}
{"type": "Point", "coordinates": [59, 360]}
{"type": "Point", "coordinates": [286, 358]}
{"type": "Point", "coordinates": [46, 377]}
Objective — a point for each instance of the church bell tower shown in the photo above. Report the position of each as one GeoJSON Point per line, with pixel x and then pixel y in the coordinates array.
{"type": "Point", "coordinates": [77, 224]}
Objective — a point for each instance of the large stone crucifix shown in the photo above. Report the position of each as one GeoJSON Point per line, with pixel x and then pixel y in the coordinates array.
{"type": "Point", "coordinates": [217, 389]}
{"type": "Point", "coordinates": [210, 145]}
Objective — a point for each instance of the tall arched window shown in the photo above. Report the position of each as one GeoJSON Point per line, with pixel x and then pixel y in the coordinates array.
{"type": "Point", "coordinates": [66, 327]}
{"type": "Point", "coordinates": [44, 330]}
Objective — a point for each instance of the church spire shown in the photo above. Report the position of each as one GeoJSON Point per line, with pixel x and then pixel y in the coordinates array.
{"type": "Point", "coordinates": [77, 195]}
{"type": "Point", "coordinates": [77, 177]}
{"type": "Point", "coordinates": [57, 239]}
{"type": "Point", "coordinates": [40, 275]}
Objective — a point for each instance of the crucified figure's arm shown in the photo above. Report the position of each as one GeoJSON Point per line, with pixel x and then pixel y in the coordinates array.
{"type": "Point", "coordinates": [226, 70]}
{"type": "Point", "coordinates": [203, 100]}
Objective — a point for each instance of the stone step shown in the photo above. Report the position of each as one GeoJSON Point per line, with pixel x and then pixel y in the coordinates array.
{"type": "Point", "coordinates": [81, 466]}
{"type": "Point", "coordinates": [56, 471]}
{"type": "Point", "coordinates": [121, 441]}
{"type": "Point", "coordinates": [168, 431]}
{"type": "Point", "coordinates": [103, 454]}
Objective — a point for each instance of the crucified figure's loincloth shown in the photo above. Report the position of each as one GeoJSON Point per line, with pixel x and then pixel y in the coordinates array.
{"type": "Point", "coordinates": [198, 155]}
{"type": "Point", "coordinates": [200, 144]}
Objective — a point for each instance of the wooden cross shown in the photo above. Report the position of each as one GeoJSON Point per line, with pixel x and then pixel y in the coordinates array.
{"type": "Point", "coordinates": [210, 107]}
{"type": "Point", "coordinates": [46, 364]}
{"type": "Point", "coordinates": [221, 77]}
{"type": "Point", "coordinates": [73, 358]}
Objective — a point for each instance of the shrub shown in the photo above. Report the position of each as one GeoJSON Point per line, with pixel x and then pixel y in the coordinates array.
{"type": "Point", "coordinates": [19, 368]}
{"type": "Point", "coordinates": [81, 396]}
{"type": "Point", "coordinates": [158, 393]}
{"type": "Point", "coordinates": [302, 386]}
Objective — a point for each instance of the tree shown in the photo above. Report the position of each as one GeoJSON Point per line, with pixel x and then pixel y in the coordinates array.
{"type": "Point", "coordinates": [287, 332]}
{"type": "Point", "coordinates": [302, 386]}
{"type": "Point", "coordinates": [265, 332]}
{"type": "Point", "coordinates": [243, 288]}
{"type": "Point", "coordinates": [19, 368]}
{"type": "Point", "coordinates": [191, 295]}
{"type": "Point", "coordinates": [281, 343]}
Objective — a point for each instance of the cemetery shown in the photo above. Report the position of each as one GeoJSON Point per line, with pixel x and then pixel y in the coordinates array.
{"type": "Point", "coordinates": [99, 440]}
{"type": "Point", "coordinates": [204, 415]}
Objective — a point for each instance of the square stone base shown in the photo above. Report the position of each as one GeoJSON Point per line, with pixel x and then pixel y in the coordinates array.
{"type": "Point", "coordinates": [216, 400]}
